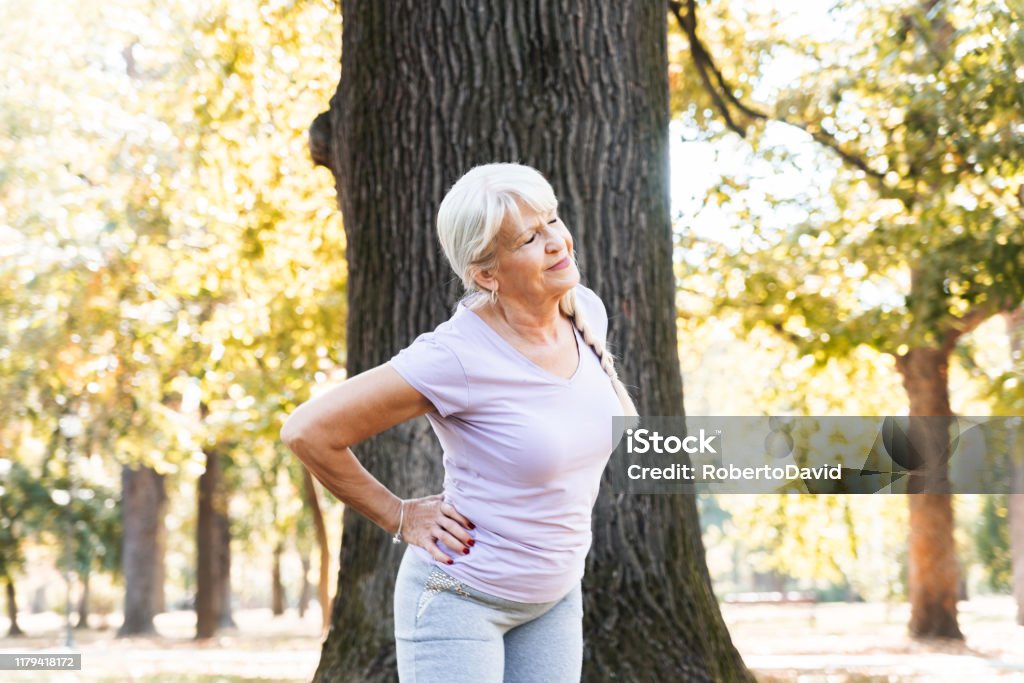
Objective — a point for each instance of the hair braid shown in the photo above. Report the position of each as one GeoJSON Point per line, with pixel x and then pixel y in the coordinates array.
{"type": "Point", "coordinates": [567, 304]}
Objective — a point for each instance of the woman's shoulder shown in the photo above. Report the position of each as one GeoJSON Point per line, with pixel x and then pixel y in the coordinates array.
{"type": "Point", "coordinates": [434, 365]}
{"type": "Point", "coordinates": [593, 308]}
{"type": "Point", "coordinates": [449, 343]}
{"type": "Point", "coordinates": [590, 298]}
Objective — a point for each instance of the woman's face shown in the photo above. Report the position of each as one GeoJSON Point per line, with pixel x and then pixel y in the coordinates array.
{"type": "Point", "coordinates": [535, 258]}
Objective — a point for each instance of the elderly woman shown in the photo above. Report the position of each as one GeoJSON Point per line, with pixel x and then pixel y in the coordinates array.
{"type": "Point", "coordinates": [520, 389]}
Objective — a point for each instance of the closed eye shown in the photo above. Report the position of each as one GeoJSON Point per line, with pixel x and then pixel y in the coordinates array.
{"type": "Point", "coordinates": [534, 235]}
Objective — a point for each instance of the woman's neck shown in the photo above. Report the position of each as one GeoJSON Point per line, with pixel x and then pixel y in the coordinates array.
{"type": "Point", "coordinates": [531, 323]}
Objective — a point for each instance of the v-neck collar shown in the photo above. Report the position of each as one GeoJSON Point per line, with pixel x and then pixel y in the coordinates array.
{"type": "Point", "coordinates": [501, 341]}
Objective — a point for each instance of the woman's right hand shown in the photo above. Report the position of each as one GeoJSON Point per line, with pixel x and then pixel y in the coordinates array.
{"type": "Point", "coordinates": [431, 518]}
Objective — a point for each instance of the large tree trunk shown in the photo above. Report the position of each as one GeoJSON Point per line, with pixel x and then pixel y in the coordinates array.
{"type": "Point", "coordinates": [1015, 328]}
{"type": "Point", "coordinates": [323, 582]}
{"type": "Point", "coordinates": [933, 575]}
{"type": "Point", "coordinates": [143, 505]}
{"type": "Point", "coordinates": [12, 610]}
{"type": "Point", "coordinates": [213, 558]}
{"type": "Point", "coordinates": [579, 90]}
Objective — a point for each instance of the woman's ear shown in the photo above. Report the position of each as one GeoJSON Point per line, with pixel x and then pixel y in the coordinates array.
{"type": "Point", "coordinates": [484, 279]}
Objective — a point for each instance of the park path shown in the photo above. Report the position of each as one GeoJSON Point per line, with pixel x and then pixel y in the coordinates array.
{"type": "Point", "coordinates": [827, 642]}
{"type": "Point", "coordinates": [835, 641]}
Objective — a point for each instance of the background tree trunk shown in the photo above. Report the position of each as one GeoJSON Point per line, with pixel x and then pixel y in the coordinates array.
{"type": "Point", "coordinates": [83, 603]}
{"type": "Point", "coordinates": [933, 575]}
{"type": "Point", "coordinates": [143, 506]}
{"type": "Point", "coordinates": [323, 583]}
{"type": "Point", "coordinates": [223, 525]}
{"type": "Point", "coordinates": [160, 568]}
{"type": "Point", "coordinates": [213, 552]}
{"type": "Point", "coordinates": [304, 592]}
{"type": "Point", "coordinates": [277, 589]}
{"type": "Point", "coordinates": [12, 610]}
{"type": "Point", "coordinates": [579, 90]}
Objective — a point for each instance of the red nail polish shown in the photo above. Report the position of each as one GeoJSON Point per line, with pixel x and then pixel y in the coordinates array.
{"type": "Point", "coordinates": [472, 526]}
{"type": "Point", "coordinates": [466, 551]}
{"type": "Point", "coordinates": [471, 542]}
{"type": "Point", "coordinates": [451, 561]}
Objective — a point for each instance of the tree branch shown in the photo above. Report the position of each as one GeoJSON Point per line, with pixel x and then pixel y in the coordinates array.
{"type": "Point", "coordinates": [973, 318]}
{"type": "Point", "coordinates": [704, 62]}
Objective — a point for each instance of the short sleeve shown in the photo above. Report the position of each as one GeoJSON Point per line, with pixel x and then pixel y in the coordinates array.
{"type": "Point", "coordinates": [434, 370]}
{"type": "Point", "coordinates": [594, 310]}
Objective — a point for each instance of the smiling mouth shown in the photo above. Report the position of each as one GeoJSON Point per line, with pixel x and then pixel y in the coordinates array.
{"type": "Point", "coordinates": [561, 264]}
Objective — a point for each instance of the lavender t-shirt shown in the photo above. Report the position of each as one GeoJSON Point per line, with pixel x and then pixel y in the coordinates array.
{"type": "Point", "coordinates": [524, 450]}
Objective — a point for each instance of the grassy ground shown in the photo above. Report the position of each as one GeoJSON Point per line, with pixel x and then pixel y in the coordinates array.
{"type": "Point", "coordinates": [831, 643]}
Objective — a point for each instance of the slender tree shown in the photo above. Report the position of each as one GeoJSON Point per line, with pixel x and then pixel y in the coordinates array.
{"type": "Point", "coordinates": [579, 90]}
{"type": "Point", "coordinates": [323, 549]}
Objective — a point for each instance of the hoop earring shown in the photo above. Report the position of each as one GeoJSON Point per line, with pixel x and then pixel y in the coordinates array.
{"type": "Point", "coordinates": [492, 295]}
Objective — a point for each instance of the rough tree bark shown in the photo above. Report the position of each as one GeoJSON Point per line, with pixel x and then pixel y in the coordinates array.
{"type": "Point", "coordinates": [579, 90]}
{"type": "Point", "coordinates": [143, 506]}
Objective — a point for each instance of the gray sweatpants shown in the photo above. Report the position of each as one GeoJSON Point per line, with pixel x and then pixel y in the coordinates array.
{"type": "Point", "coordinates": [446, 631]}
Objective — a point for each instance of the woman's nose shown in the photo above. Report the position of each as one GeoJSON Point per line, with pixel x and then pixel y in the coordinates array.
{"type": "Point", "coordinates": [555, 242]}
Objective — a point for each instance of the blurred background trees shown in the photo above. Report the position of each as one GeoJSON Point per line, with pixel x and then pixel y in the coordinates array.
{"type": "Point", "coordinates": [910, 241]}
{"type": "Point", "coordinates": [173, 272]}
{"type": "Point", "coordinates": [847, 200]}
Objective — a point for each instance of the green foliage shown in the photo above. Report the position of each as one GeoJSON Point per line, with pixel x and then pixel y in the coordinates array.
{"type": "Point", "coordinates": [821, 542]}
{"type": "Point", "coordinates": [874, 205]}
{"type": "Point", "coordinates": [25, 505]}
{"type": "Point", "coordinates": [172, 272]}
{"type": "Point", "coordinates": [918, 237]}
{"type": "Point", "coordinates": [96, 530]}
{"type": "Point", "coordinates": [992, 542]}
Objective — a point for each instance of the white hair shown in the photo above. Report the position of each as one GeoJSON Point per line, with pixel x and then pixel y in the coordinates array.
{"type": "Point", "coordinates": [469, 220]}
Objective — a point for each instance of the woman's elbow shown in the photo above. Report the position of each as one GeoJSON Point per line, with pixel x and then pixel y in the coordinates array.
{"type": "Point", "coordinates": [305, 436]}
{"type": "Point", "coordinates": [293, 432]}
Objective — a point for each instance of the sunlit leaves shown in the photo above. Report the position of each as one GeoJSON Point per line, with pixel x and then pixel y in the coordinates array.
{"type": "Point", "coordinates": [930, 103]}
{"type": "Point", "coordinates": [167, 247]}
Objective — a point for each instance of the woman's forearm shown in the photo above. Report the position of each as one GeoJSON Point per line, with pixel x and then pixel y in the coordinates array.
{"type": "Point", "coordinates": [342, 474]}
{"type": "Point", "coordinates": [321, 430]}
